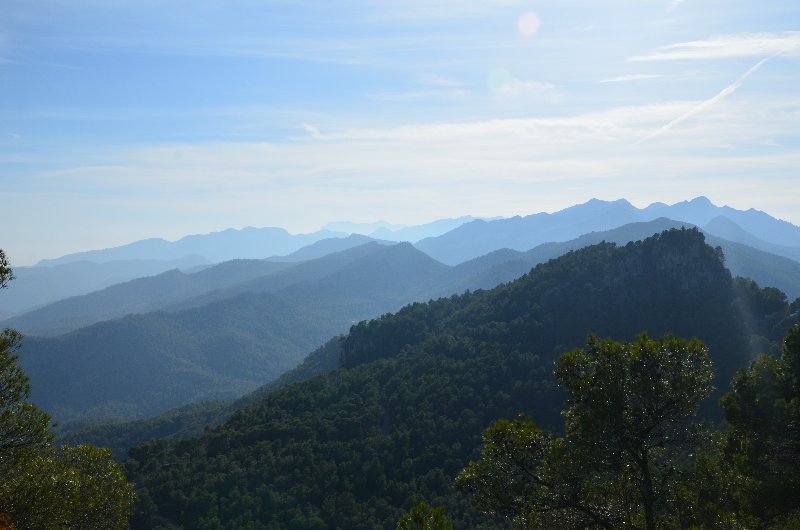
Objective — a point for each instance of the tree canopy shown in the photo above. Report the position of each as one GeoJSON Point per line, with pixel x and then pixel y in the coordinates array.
{"type": "Point", "coordinates": [763, 443]}
{"type": "Point", "coordinates": [627, 434]}
{"type": "Point", "coordinates": [354, 447]}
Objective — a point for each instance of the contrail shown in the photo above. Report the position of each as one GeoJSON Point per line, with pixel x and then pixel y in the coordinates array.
{"type": "Point", "coordinates": [727, 91]}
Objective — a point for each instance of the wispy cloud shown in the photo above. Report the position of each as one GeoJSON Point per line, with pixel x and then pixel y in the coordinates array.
{"type": "Point", "coordinates": [632, 77]}
{"type": "Point", "coordinates": [438, 169]}
{"type": "Point", "coordinates": [439, 81]}
{"type": "Point", "coordinates": [727, 46]}
{"type": "Point", "coordinates": [503, 84]}
{"type": "Point", "coordinates": [674, 4]}
{"type": "Point", "coordinates": [419, 94]}
{"type": "Point", "coordinates": [727, 91]}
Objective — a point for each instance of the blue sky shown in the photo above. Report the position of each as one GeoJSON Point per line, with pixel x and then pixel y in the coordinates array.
{"type": "Point", "coordinates": [121, 120]}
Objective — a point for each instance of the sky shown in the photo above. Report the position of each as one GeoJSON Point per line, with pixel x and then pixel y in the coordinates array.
{"type": "Point", "coordinates": [127, 119]}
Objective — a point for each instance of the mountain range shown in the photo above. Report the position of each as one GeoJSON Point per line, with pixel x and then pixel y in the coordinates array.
{"type": "Point", "coordinates": [450, 241]}
{"type": "Point", "coordinates": [404, 412]}
{"type": "Point", "coordinates": [751, 227]}
{"type": "Point", "coordinates": [219, 331]}
{"type": "Point", "coordinates": [481, 273]}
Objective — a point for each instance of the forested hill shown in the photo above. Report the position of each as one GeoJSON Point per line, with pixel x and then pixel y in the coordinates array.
{"type": "Point", "coordinates": [353, 448]}
{"type": "Point", "coordinates": [142, 365]}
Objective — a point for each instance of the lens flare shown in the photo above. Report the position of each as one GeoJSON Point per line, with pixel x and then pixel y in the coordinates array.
{"type": "Point", "coordinates": [528, 24]}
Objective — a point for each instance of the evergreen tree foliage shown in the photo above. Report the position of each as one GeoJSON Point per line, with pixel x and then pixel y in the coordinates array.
{"type": "Point", "coordinates": [424, 517]}
{"type": "Point", "coordinates": [764, 441]}
{"type": "Point", "coordinates": [627, 436]}
{"type": "Point", "coordinates": [24, 429]}
{"type": "Point", "coordinates": [353, 447]}
{"type": "Point", "coordinates": [43, 487]}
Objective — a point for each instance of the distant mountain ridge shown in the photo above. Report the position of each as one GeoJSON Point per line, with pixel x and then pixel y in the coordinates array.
{"type": "Point", "coordinates": [323, 247]}
{"type": "Point", "coordinates": [444, 239]}
{"type": "Point", "coordinates": [141, 295]}
{"type": "Point", "coordinates": [247, 243]}
{"type": "Point", "coordinates": [175, 291]}
{"type": "Point", "coordinates": [37, 286]}
{"type": "Point", "coordinates": [478, 238]}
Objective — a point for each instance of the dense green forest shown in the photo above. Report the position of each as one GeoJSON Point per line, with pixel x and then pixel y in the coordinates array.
{"type": "Point", "coordinates": [142, 365]}
{"type": "Point", "coordinates": [192, 420]}
{"type": "Point", "coordinates": [357, 446]}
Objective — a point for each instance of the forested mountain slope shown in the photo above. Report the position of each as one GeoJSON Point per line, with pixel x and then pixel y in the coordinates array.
{"type": "Point", "coordinates": [175, 291]}
{"type": "Point", "coordinates": [144, 364]}
{"type": "Point", "coordinates": [141, 295]}
{"type": "Point", "coordinates": [505, 265]}
{"type": "Point", "coordinates": [351, 449]}
{"type": "Point", "coordinates": [192, 420]}
{"type": "Point", "coordinates": [484, 272]}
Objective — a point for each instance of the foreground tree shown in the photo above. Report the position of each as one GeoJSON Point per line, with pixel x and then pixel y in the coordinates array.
{"type": "Point", "coordinates": [628, 433]}
{"type": "Point", "coordinates": [763, 444]}
{"type": "Point", "coordinates": [24, 429]}
{"type": "Point", "coordinates": [424, 517]}
{"type": "Point", "coordinates": [42, 486]}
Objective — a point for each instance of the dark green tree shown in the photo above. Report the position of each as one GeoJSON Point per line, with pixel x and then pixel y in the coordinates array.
{"type": "Point", "coordinates": [24, 429]}
{"type": "Point", "coordinates": [764, 441]}
{"type": "Point", "coordinates": [75, 487]}
{"type": "Point", "coordinates": [628, 433]}
{"type": "Point", "coordinates": [6, 274]}
{"type": "Point", "coordinates": [424, 517]}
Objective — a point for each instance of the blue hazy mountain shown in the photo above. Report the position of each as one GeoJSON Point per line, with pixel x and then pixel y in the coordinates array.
{"type": "Point", "coordinates": [175, 290]}
{"type": "Point", "coordinates": [415, 233]}
{"type": "Point", "coordinates": [478, 237]}
{"type": "Point", "coordinates": [323, 247]}
{"type": "Point", "coordinates": [41, 285]}
{"type": "Point", "coordinates": [144, 364]}
{"type": "Point", "coordinates": [141, 295]}
{"type": "Point", "coordinates": [723, 227]}
{"type": "Point", "coordinates": [467, 238]}
{"type": "Point", "coordinates": [253, 243]}
{"type": "Point", "coordinates": [701, 211]}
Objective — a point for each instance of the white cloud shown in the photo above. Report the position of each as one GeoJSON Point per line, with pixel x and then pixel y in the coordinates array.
{"type": "Point", "coordinates": [420, 172]}
{"type": "Point", "coordinates": [674, 4]}
{"type": "Point", "coordinates": [503, 84]}
{"type": "Point", "coordinates": [519, 87]}
{"type": "Point", "coordinates": [632, 77]}
{"type": "Point", "coordinates": [419, 94]}
{"type": "Point", "coordinates": [434, 156]}
{"type": "Point", "coordinates": [727, 46]}
{"type": "Point", "coordinates": [439, 81]}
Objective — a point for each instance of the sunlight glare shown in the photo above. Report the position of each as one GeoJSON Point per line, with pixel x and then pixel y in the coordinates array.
{"type": "Point", "coordinates": [528, 24]}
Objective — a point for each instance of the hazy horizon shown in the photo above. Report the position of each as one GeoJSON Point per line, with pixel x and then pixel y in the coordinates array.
{"type": "Point", "coordinates": [128, 120]}
{"type": "Point", "coordinates": [366, 228]}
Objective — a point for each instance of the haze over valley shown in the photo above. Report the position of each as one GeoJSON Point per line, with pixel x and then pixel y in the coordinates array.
{"type": "Point", "coordinates": [419, 265]}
